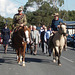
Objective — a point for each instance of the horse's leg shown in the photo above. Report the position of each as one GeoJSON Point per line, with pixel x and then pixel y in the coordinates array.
{"type": "Point", "coordinates": [57, 54]}
{"type": "Point", "coordinates": [54, 60]}
{"type": "Point", "coordinates": [23, 59]}
{"type": "Point", "coordinates": [60, 50]}
{"type": "Point", "coordinates": [19, 56]}
{"type": "Point", "coordinates": [24, 55]}
{"type": "Point", "coordinates": [65, 46]}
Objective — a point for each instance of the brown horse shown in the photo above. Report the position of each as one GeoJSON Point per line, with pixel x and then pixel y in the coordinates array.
{"type": "Point", "coordinates": [58, 43]}
{"type": "Point", "coordinates": [19, 41]}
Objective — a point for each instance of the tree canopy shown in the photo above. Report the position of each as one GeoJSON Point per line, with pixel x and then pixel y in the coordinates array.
{"type": "Point", "coordinates": [54, 3]}
{"type": "Point", "coordinates": [4, 21]}
{"type": "Point", "coordinates": [44, 13]}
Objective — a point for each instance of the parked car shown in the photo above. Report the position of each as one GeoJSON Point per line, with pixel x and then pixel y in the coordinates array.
{"type": "Point", "coordinates": [69, 39]}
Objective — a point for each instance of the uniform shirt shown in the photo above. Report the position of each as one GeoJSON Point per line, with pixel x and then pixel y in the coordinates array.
{"type": "Point", "coordinates": [55, 23]}
{"type": "Point", "coordinates": [17, 21]}
{"type": "Point", "coordinates": [47, 35]}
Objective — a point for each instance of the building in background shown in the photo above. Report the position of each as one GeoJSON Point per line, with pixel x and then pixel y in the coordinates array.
{"type": "Point", "coordinates": [70, 27]}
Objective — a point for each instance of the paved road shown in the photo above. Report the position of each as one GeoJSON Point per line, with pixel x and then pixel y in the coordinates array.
{"type": "Point", "coordinates": [37, 65]}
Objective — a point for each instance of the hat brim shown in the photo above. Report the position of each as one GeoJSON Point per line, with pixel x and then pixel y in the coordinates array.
{"type": "Point", "coordinates": [55, 15]}
{"type": "Point", "coordinates": [19, 9]}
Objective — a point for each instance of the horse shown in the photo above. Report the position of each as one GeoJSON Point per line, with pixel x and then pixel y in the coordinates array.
{"type": "Point", "coordinates": [57, 43]}
{"type": "Point", "coordinates": [20, 39]}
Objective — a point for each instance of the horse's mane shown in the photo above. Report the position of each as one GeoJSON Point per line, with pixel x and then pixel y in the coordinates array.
{"type": "Point", "coordinates": [28, 30]}
{"type": "Point", "coordinates": [18, 36]}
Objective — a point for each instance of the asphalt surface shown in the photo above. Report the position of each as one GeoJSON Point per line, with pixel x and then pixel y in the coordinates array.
{"type": "Point", "coordinates": [41, 64]}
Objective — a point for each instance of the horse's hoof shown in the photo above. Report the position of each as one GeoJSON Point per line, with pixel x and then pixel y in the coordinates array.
{"type": "Point", "coordinates": [54, 61]}
{"type": "Point", "coordinates": [59, 64]}
{"type": "Point", "coordinates": [23, 65]}
{"type": "Point", "coordinates": [19, 63]}
{"type": "Point", "coordinates": [56, 58]}
{"type": "Point", "coordinates": [65, 49]}
{"type": "Point", "coordinates": [20, 60]}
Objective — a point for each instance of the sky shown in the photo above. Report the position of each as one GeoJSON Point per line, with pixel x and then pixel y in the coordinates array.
{"type": "Point", "coordinates": [9, 7]}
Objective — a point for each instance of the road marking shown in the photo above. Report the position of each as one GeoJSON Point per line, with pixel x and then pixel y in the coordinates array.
{"type": "Point", "coordinates": [67, 59]}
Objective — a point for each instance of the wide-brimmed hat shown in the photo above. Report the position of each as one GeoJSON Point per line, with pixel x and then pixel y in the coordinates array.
{"type": "Point", "coordinates": [55, 14]}
{"type": "Point", "coordinates": [20, 8]}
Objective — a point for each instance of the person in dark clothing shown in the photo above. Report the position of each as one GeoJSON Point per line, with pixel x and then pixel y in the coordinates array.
{"type": "Point", "coordinates": [42, 38]}
{"type": "Point", "coordinates": [5, 34]}
{"type": "Point", "coordinates": [56, 22]}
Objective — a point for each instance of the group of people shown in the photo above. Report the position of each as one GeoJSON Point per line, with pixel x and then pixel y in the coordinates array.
{"type": "Point", "coordinates": [45, 33]}
{"type": "Point", "coordinates": [36, 36]}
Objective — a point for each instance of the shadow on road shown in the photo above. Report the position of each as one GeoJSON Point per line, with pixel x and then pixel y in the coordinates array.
{"type": "Point", "coordinates": [43, 61]}
{"type": "Point", "coordinates": [2, 60]}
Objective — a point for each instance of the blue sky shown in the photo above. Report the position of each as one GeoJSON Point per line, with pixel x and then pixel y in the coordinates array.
{"type": "Point", "coordinates": [9, 7]}
{"type": "Point", "coordinates": [69, 5]}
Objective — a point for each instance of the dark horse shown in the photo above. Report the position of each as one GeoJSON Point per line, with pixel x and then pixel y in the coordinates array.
{"type": "Point", "coordinates": [19, 42]}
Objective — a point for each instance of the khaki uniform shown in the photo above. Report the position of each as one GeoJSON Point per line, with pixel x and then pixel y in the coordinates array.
{"type": "Point", "coordinates": [19, 19]}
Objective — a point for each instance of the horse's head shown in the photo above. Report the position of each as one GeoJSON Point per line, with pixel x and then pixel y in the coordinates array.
{"type": "Point", "coordinates": [27, 33]}
{"type": "Point", "coordinates": [62, 29]}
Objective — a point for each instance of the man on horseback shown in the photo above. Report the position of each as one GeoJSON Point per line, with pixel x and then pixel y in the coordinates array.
{"type": "Point", "coordinates": [56, 22]}
{"type": "Point", "coordinates": [21, 35]}
{"type": "Point", "coordinates": [19, 18]}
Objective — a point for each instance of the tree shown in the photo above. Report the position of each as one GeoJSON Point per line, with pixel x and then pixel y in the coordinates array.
{"type": "Point", "coordinates": [44, 13]}
{"type": "Point", "coordinates": [41, 16]}
{"type": "Point", "coordinates": [54, 3]}
{"type": "Point", "coordinates": [4, 21]}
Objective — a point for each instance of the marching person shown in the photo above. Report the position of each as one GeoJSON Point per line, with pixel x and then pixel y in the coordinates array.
{"type": "Point", "coordinates": [46, 38]}
{"type": "Point", "coordinates": [30, 44]}
{"type": "Point", "coordinates": [35, 37]}
{"type": "Point", "coordinates": [45, 41]}
{"type": "Point", "coordinates": [42, 37]}
{"type": "Point", "coordinates": [5, 34]}
{"type": "Point", "coordinates": [19, 18]}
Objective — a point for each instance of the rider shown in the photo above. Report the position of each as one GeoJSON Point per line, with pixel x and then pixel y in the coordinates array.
{"type": "Point", "coordinates": [56, 22]}
{"type": "Point", "coordinates": [19, 18]}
